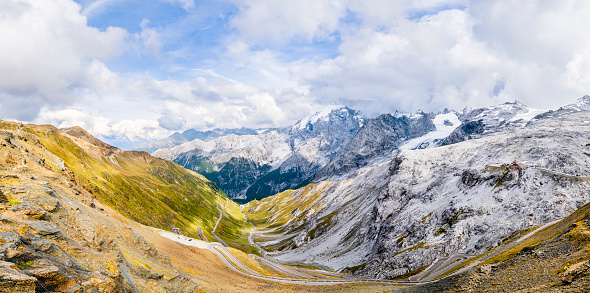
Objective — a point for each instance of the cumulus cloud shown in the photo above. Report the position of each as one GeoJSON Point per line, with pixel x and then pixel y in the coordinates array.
{"type": "Point", "coordinates": [217, 102]}
{"type": "Point", "coordinates": [171, 121]}
{"type": "Point", "coordinates": [430, 54]}
{"type": "Point", "coordinates": [102, 126]}
{"type": "Point", "coordinates": [147, 41]}
{"type": "Point", "coordinates": [276, 62]}
{"type": "Point", "coordinates": [47, 52]}
{"type": "Point", "coordinates": [278, 22]}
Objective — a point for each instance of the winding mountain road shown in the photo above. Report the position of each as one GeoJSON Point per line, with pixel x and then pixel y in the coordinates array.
{"type": "Point", "coordinates": [307, 277]}
{"type": "Point", "coordinates": [215, 228]}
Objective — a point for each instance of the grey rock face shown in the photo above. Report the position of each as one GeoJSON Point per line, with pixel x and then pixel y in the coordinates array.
{"type": "Point", "coordinates": [44, 228]}
{"type": "Point", "coordinates": [252, 167]}
{"type": "Point", "coordinates": [389, 219]}
{"type": "Point", "coordinates": [13, 281]}
{"type": "Point", "coordinates": [467, 130]}
{"type": "Point", "coordinates": [378, 137]}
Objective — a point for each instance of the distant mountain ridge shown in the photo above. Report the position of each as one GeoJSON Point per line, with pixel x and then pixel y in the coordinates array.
{"type": "Point", "coordinates": [331, 144]}
{"type": "Point", "coordinates": [416, 200]}
{"type": "Point", "coordinates": [271, 161]}
{"type": "Point", "coordinates": [178, 138]}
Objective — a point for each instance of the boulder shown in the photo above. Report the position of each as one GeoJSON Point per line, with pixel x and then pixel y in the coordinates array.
{"type": "Point", "coordinates": [13, 281]}
{"type": "Point", "coordinates": [44, 228]}
{"type": "Point", "coordinates": [145, 273]}
{"type": "Point", "coordinates": [181, 284]}
{"type": "Point", "coordinates": [99, 283]}
{"type": "Point", "coordinates": [32, 211]}
{"type": "Point", "coordinates": [48, 276]}
{"type": "Point", "coordinates": [5, 264]}
{"type": "Point", "coordinates": [39, 244]}
{"type": "Point", "coordinates": [575, 271]}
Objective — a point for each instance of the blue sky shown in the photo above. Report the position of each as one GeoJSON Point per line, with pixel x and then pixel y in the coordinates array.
{"type": "Point", "coordinates": [129, 70]}
{"type": "Point", "coordinates": [189, 37]}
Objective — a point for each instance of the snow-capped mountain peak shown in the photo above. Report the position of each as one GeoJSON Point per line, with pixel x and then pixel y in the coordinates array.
{"type": "Point", "coordinates": [582, 103]}
{"type": "Point", "coordinates": [322, 115]}
{"type": "Point", "coordinates": [445, 124]}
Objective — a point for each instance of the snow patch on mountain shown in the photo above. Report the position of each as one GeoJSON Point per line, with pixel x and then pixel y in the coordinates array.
{"type": "Point", "coordinates": [527, 116]}
{"type": "Point", "coordinates": [445, 125]}
{"type": "Point", "coordinates": [323, 114]}
{"type": "Point", "coordinates": [398, 216]}
{"type": "Point", "coordinates": [581, 104]}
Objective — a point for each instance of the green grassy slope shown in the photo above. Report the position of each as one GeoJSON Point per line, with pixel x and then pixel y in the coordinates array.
{"type": "Point", "coordinates": [292, 207]}
{"type": "Point", "coordinates": [146, 189]}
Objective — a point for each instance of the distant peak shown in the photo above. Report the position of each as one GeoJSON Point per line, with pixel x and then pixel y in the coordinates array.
{"type": "Point", "coordinates": [516, 102]}
{"type": "Point", "coordinates": [324, 114]}
{"type": "Point", "coordinates": [81, 133]}
{"type": "Point", "coordinates": [582, 103]}
{"type": "Point", "coordinates": [585, 100]}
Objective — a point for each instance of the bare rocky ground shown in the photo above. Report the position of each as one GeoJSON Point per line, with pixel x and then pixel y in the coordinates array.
{"type": "Point", "coordinates": [56, 236]}
{"type": "Point", "coordinates": [556, 261]}
{"type": "Point", "coordinates": [52, 241]}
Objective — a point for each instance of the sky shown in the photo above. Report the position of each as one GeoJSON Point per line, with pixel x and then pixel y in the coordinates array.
{"type": "Point", "coordinates": [135, 70]}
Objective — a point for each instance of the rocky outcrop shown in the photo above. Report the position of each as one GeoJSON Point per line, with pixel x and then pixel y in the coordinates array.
{"type": "Point", "coordinates": [576, 271]}
{"type": "Point", "coordinates": [272, 161]}
{"type": "Point", "coordinates": [377, 138]}
{"type": "Point", "coordinates": [467, 130]}
{"type": "Point", "coordinates": [13, 281]}
{"type": "Point", "coordinates": [57, 236]}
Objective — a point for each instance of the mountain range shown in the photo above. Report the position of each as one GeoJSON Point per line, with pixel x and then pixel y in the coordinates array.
{"type": "Point", "coordinates": [493, 198]}
{"type": "Point", "coordinates": [328, 145]}
{"type": "Point", "coordinates": [271, 161]}
{"type": "Point", "coordinates": [434, 196]}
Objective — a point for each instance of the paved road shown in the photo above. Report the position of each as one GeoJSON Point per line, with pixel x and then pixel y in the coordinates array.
{"type": "Point", "coordinates": [438, 268]}
{"type": "Point", "coordinates": [234, 264]}
{"type": "Point", "coordinates": [217, 223]}
{"type": "Point", "coordinates": [281, 268]}
{"type": "Point", "coordinates": [202, 235]}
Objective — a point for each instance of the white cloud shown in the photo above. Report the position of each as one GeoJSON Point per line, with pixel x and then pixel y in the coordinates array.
{"type": "Point", "coordinates": [102, 126]}
{"type": "Point", "coordinates": [47, 51]}
{"type": "Point", "coordinates": [391, 55]}
{"type": "Point", "coordinates": [456, 58]}
{"type": "Point", "coordinates": [97, 7]}
{"type": "Point", "coordinates": [216, 102]}
{"type": "Point", "coordinates": [278, 22]}
{"type": "Point", "coordinates": [147, 41]}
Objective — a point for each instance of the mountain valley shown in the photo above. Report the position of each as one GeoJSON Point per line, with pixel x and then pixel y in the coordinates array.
{"type": "Point", "coordinates": [361, 205]}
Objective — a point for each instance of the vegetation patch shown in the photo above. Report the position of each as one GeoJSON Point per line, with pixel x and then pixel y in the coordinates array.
{"type": "Point", "coordinates": [411, 273]}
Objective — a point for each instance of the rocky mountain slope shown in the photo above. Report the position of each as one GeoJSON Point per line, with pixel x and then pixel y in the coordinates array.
{"type": "Point", "coordinates": [64, 196]}
{"type": "Point", "coordinates": [67, 204]}
{"type": "Point", "coordinates": [327, 145]}
{"type": "Point", "coordinates": [396, 216]}
{"type": "Point", "coordinates": [272, 161]}
{"type": "Point", "coordinates": [554, 260]}
{"type": "Point", "coordinates": [378, 138]}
